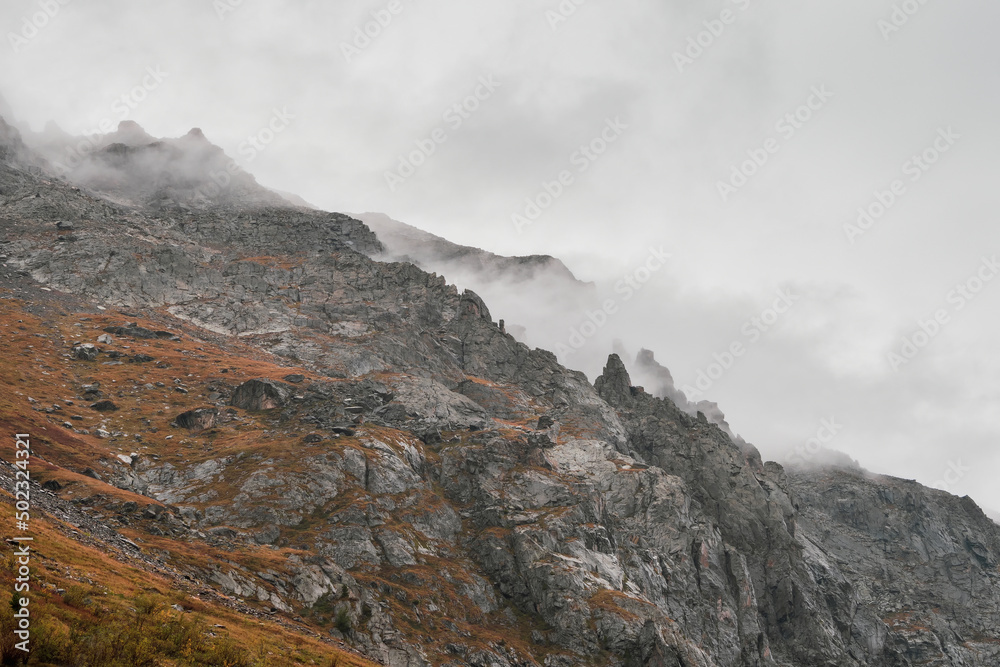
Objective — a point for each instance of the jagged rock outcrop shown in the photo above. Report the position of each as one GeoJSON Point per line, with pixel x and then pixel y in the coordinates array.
{"type": "Point", "coordinates": [658, 381]}
{"type": "Point", "coordinates": [614, 385]}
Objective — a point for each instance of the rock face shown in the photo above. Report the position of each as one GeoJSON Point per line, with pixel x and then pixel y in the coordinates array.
{"type": "Point", "coordinates": [439, 493]}
{"type": "Point", "coordinates": [925, 560]}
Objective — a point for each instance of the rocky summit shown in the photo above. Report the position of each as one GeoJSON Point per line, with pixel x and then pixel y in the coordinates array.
{"type": "Point", "coordinates": [243, 400]}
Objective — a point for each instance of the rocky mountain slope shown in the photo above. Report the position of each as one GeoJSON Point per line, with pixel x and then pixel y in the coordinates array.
{"type": "Point", "coordinates": [149, 611]}
{"type": "Point", "coordinates": [357, 446]}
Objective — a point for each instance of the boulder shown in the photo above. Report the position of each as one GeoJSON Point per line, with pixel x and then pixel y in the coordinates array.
{"type": "Point", "coordinates": [431, 402]}
{"type": "Point", "coordinates": [198, 419]}
{"type": "Point", "coordinates": [260, 394]}
{"type": "Point", "coordinates": [85, 352]}
{"type": "Point", "coordinates": [133, 330]}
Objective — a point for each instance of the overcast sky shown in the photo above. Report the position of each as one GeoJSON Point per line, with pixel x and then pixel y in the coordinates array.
{"type": "Point", "coordinates": [676, 118]}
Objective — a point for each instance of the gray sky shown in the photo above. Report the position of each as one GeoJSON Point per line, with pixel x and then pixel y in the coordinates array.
{"type": "Point", "coordinates": [681, 126]}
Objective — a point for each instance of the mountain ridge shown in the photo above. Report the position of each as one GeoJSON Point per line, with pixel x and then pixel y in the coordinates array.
{"type": "Point", "coordinates": [408, 243]}
{"type": "Point", "coordinates": [133, 167]}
